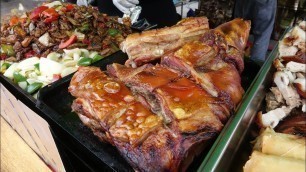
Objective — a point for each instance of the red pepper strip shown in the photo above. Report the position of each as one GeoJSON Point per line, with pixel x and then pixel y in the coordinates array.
{"type": "Point", "coordinates": [50, 19]}
{"type": "Point", "coordinates": [56, 77]}
{"type": "Point", "coordinates": [36, 12]}
{"type": "Point", "coordinates": [51, 15]}
{"type": "Point", "coordinates": [14, 20]}
{"type": "Point", "coordinates": [3, 56]}
{"type": "Point", "coordinates": [70, 41]}
{"type": "Point", "coordinates": [22, 20]}
{"type": "Point", "coordinates": [86, 41]}
{"type": "Point", "coordinates": [102, 25]}
{"type": "Point", "coordinates": [105, 46]}
{"type": "Point", "coordinates": [29, 54]}
{"type": "Point", "coordinates": [69, 7]}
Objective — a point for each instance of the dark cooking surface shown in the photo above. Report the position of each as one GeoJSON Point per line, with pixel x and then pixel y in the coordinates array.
{"type": "Point", "coordinates": [55, 102]}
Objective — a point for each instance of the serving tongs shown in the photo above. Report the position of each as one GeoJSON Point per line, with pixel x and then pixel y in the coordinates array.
{"type": "Point", "coordinates": [138, 25]}
{"type": "Point", "coordinates": [142, 25]}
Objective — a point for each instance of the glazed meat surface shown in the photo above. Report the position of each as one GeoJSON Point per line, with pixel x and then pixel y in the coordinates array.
{"type": "Point", "coordinates": [107, 107]}
{"type": "Point", "coordinates": [170, 95]}
{"type": "Point", "coordinates": [216, 60]}
{"type": "Point", "coordinates": [151, 45]}
{"type": "Point", "coordinates": [111, 111]}
{"type": "Point", "coordinates": [161, 116]}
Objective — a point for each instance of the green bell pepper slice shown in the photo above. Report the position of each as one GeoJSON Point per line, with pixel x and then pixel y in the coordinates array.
{"type": "Point", "coordinates": [18, 77]}
{"type": "Point", "coordinates": [85, 61]}
{"type": "Point", "coordinates": [84, 27]}
{"type": "Point", "coordinates": [113, 32]}
{"type": "Point", "coordinates": [97, 58]}
{"type": "Point", "coordinates": [4, 67]}
{"type": "Point", "coordinates": [32, 88]}
{"type": "Point", "coordinates": [7, 49]}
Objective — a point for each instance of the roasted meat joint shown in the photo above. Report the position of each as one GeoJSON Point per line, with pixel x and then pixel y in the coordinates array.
{"type": "Point", "coordinates": [161, 115]}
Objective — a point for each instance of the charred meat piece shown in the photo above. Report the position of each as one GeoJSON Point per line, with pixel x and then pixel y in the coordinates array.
{"type": "Point", "coordinates": [107, 106]}
{"type": "Point", "coordinates": [124, 73]}
{"type": "Point", "coordinates": [134, 125]}
{"type": "Point", "coordinates": [227, 81]}
{"type": "Point", "coordinates": [293, 124]}
{"type": "Point", "coordinates": [153, 77]}
{"type": "Point", "coordinates": [189, 106]}
{"type": "Point", "coordinates": [230, 39]}
{"type": "Point", "coordinates": [187, 58]}
{"type": "Point", "coordinates": [143, 81]}
{"type": "Point", "coordinates": [92, 84]}
{"type": "Point", "coordinates": [167, 113]}
{"type": "Point", "coordinates": [151, 45]}
{"type": "Point", "coordinates": [110, 110]}
{"type": "Point", "coordinates": [159, 88]}
{"type": "Point", "coordinates": [82, 107]}
{"type": "Point", "coordinates": [9, 39]}
{"type": "Point", "coordinates": [235, 32]}
{"type": "Point", "coordinates": [137, 133]}
{"type": "Point", "coordinates": [161, 149]}
{"type": "Point", "coordinates": [201, 62]}
{"type": "Point", "coordinates": [26, 42]}
{"type": "Point", "coordinates": [219, 53]}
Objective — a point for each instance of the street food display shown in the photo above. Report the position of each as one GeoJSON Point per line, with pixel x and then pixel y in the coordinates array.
{"type": "Point", "coordinates": [161, 116]}
{"type": "Point", "coordinates": [285, 110]}
{"type": "Point", "coordinates": [288, 93]}
{"type": "Point", "coordinates": [52, 40]}
{"type": "Point", "coordinates": [172, 93]}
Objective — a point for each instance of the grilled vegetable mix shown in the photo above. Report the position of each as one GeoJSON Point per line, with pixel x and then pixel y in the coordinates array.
{"type": "Point", "coordinates": [33, 73]}
{"type": "Point", "coordinates": [55, 26]}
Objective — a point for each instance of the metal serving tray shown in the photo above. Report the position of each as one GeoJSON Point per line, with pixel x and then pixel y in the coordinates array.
{"type": "Point", "coordinates": [18, 92]}
{"type": "Point", "coordinates": [30, 101]}
{"type": "Point", "coordinates": [55, 102]}
{"type": "Point", "coordinates": [235, 138]}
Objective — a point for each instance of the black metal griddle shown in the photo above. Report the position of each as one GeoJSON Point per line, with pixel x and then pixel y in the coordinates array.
{"type": "Point", "coordinates": [77, 144]}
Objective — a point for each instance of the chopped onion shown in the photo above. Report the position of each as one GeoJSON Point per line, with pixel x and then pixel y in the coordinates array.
{"type": "Point", "coordinates": [76, 56]}
{"type": "Point", "coordinates": [49, 67]}
{"type": "Point", "coordinates": [68, 70]}
{"type": "Point", "coordinates": [54, 56]}
{"type": "Point", "coordinates": [46, 80]}
{"type": "Point", "coordinates": [85, 53]}
{"type": "Point", "coordinates": [93, 54]}
{"type": "Point", "coordinates": [9, 73]}
{"type": "Point", "coordinates": [23, 84]}
{"type": "Point", "coordinates": [72, 51]}
{"type": "Point", "coordinates": [70, 63]}
{"type": "Point", "coordinates": [44, 39]}
{"type": "Point", "coordinates": [52, 4]}
{"type": "Point", "coordinates": [31, 27]}
{"type": "Point", "coordinates": [79, 35]}
{"type": "Point", "coordinates": [32, 75]}
{"type": "Point", "coordinates": [11, 31]}
{"type": "Point", "coordinates": [31, 80]}
{"type": "Point", "coordinates": [28, 64]}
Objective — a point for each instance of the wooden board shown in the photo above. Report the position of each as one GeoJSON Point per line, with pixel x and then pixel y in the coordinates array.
{"type": "Point", "coordinates": [32, 129]}
{"type": "Point", "coordinates": [16, 155]}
